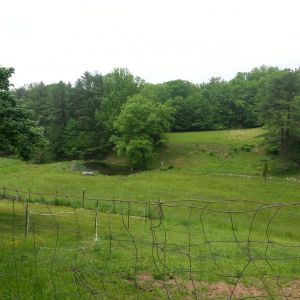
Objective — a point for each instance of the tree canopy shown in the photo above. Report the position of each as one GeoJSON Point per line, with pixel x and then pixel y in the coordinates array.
{"type": "Point", "coordinates": [19, 133]}
{"type": "Point", "coordinates": [280, 111]}
{"type": "Point", "coordinates": [139, 129]}
{"type": "Point", "coordinates": [118, 110]}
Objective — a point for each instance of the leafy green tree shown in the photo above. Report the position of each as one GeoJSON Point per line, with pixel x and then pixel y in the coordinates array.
{"type": "Point", "coordinates": [119, 85]}
{"type": "Point", "coordinates": [179, 88]}
{"type": "Point", "coordinates": [86, 98]}
{"type": "Point", "coordinates": [58, 116]}
{"type": "Point", "coordinates": [139, 129]}
{"type": "Point", "coordinates": [192, 113]}
{"type": "Point", "coordinates": [74, 140]}
{"type": "Point", "coordinates": [37, 98]}
{"type": "Point", "coordinates": [84, 136]}
{"type": "Point", "coordinates": [185, 115]}
{"type": "Point", "coordinates": [179, 92]}
{"type": "Point", "coordinates": [245, 90]}
{"type": "Point", "coordinates": [204, 114]}
{"type": "Point", "coordinates": [59, 106]}
{"type": "Point", "coordinates": [19, 133]}
{"type": "Point", "coordinates": [216, 92]}
{"type": "Point", "coordinates": [280, 110]}
{"type": "Point", "coordinates": [295, 130]}
{"type": "Point", "coordinates": [49, 104]}
{"type": "Point", "coordinates": [5, 74]}
{"type": "Point", "coordinates": [155, 92]}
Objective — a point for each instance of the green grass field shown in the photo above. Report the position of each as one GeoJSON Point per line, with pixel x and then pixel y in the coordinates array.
{"type": "Point", "coordinates": [220, 229]}
{"type": "Point", "coordinates": [214, 165]}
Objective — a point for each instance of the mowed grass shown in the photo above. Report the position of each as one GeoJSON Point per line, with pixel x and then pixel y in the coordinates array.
{"type": "Point", "coordinates": [213, 230]}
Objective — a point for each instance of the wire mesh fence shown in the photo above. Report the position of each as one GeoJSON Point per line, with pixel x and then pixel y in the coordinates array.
{"type": "Point", "coordinates": [55, 246]}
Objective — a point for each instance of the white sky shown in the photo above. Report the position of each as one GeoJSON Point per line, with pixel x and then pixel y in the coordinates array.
{"type": "Point", "coordinates": [54, 40]}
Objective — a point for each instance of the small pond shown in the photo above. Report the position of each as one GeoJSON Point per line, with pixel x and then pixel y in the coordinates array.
{"type": "Point", "coordinates": [107, 168]}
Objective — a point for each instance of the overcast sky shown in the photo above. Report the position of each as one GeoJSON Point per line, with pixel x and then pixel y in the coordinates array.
{"type": "Point", "coordinates": [159, 40]}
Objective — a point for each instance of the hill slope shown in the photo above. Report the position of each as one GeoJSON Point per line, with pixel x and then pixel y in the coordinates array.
{"type": "Point", "coordinates": [220, 164]}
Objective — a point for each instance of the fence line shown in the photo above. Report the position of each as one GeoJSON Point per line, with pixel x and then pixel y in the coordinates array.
{"type": "Point", "coordinates": [118, 249]}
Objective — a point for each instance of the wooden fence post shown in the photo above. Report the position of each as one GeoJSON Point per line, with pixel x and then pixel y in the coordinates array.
{"type": "Point", "coordinates": [160, 209]}
{"type": "Point", "coordinates": [149, 210]}
{"type": "Point", "coordinates": [114, 206]}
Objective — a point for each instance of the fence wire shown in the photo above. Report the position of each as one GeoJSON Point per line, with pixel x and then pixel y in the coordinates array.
{"type": "Point", "coordinates": [55, 246]}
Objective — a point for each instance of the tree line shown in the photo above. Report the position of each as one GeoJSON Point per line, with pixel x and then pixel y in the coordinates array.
{"type": "Point", "coordinates": [120, 111]}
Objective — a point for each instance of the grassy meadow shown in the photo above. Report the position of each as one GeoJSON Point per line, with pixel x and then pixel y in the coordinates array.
{"type": "Point", "coordinates": [214, 165]}
{"type": "Point", "coordinates": [204, 226]}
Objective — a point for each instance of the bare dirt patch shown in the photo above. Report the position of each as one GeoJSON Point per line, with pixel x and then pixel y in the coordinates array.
{"type": "Point", "coordinates": [203, 290]}
{"type": "Point", "coordinates": [215, 290]}
{"type": "Point", "coordinates": [178, 288]}
{"type": "Point", "coordinates": [292, 290]}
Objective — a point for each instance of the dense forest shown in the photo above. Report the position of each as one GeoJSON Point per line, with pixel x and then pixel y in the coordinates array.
{"type": "Point", "coordinates": [120, 111]}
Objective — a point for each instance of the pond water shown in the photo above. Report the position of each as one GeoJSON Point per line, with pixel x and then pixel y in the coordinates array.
{"type": "Point", "coordinates": [107, 169]}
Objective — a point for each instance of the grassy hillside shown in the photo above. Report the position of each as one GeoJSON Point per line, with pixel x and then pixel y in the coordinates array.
{"type": "Point", "coordinates": [213, 165]}
{"type": "Point", "coordinates": [229, 151]}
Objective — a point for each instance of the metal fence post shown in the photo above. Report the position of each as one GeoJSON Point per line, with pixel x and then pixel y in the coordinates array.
{"type": "Point", "coordinates": [128, 214]}
{"type": "Point", "coordinates": [96, 222]}
{"type": "Point", "coordinates": [26, 216]}
{"type": "Point", "coordinates": [146, 211]}
{"type": "Point", "coordinates": [83, 197]}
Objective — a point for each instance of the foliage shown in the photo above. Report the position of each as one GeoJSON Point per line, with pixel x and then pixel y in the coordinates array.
{"type": "Point", "coordinates": [280, 111]}
{"type": "Point", "coordinates": [79, 120]}
{"type": "Point", "coordinates": [139, 128]}
{"type": "Point", "coordinates": [119, 85]}
{"type": "Point", "coordinates": [193, 113]}
{"type": "Point", "coordinates": [19, 133]}
{"type": "Point", "coordinates": [138, 151]}
{"type": "Point", "coordinates": [5, 74]}
{"type": "Point", "coordinates": [75, 140]}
